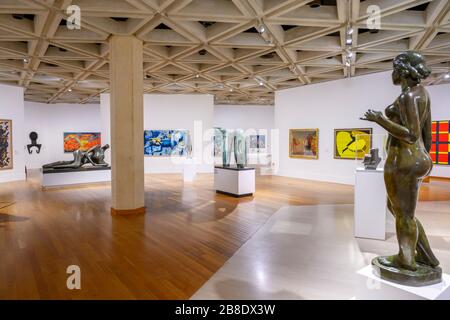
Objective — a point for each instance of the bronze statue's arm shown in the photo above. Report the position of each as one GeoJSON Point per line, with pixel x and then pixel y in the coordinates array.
{"type": "Point", "coordinates": [426, 133]}
{"type": "Point", "coordinates": [410, 131]}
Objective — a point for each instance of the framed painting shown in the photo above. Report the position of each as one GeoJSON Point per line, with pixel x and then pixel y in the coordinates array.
{"type": "Point", "coordinates": [304, 143]}
{"type": "Point", "coordinates": [352, 143]}
{"type": "Point", "coordinates": [165, 143]}
{"type": "Point", "coordinates": [257, 141]}
{"type": "Point", "coordinates": [440, 146]}
{"type": "Point", "coordinates": [6, 150]}
{"type": "Point", "coordinates": [83, 141]}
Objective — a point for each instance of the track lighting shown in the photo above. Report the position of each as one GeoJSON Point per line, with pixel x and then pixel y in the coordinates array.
{"type": "Point", "coordinates": [350, 30]}
{"type": "Point", "coordinates": [261, 28]}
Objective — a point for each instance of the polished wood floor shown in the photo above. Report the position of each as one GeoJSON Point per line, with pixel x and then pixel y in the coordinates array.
{"type": "Point", "coordinates": [188, 233]}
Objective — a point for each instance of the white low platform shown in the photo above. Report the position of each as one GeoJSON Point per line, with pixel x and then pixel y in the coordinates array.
{"type": "Point", "coordinates": [66, 177]}
{"type": "Point", "coordinates": [235, 182]}
{"type": "Point", "coordinates": [370, 204]}
{"type": "Point", "coordinates": [440, 291]}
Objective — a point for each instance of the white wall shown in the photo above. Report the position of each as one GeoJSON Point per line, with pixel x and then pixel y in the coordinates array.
{"type": "Point", "coordinates": [440, 110]}
{"type": "Point", "coordinates": [11, 108]}
{"type": "Point", "coordinates": [339, 104]}
{"type": "Point", "coordinates": [50, 121]}
{"type": "Point", "coordinates": [173, 112]}
{"type": "Point", "coordinates": [244, 117]}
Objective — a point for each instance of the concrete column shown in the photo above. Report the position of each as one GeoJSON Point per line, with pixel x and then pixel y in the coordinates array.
{"type": "Point", "coordinates": [127, 125]}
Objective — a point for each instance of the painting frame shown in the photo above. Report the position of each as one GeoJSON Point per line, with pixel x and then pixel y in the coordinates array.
{"type": "Point", "coordinates": [84, 144]}
{"type": "Point", "coordinates": [9, 154]}
{"type": "Point", "coordinates": [335, 147]}
{"type": "Point", "coordinates": [440, 142]}
{"type": "Point", "coordinates": [292, 154]}
{"type": "Point", "coordinates": [186, 133]}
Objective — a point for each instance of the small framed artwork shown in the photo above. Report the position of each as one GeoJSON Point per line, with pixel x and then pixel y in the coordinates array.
{"type": "Point", "coordinates": [6, 150]}
{"type": "Point", "coordinates": [304, 143]}
{"type": "Point", "coordinates": [257, 143]}
{"type": "Point", "coordinates": [352, 143]}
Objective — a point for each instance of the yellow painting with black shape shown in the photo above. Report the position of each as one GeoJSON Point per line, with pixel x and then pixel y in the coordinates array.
{"type": "Point", "coordinates": [353, 143]}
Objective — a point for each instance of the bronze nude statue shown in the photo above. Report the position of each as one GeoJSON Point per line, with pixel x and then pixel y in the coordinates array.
{"type": "Point", "coordinates": [408, 122]}
{"type": "Point", "coordinates": [94, 156]}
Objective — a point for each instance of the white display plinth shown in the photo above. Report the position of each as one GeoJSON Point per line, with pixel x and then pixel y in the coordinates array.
{"type": "Point", "coordinates": [440, 291]}
{"type": "Point", "coordinates": [189, 170]}
{"type": "Point", "coordinates": [235, 182]}
{"type": "Point", "coordinates": [65, 177]}
{"type": "Point", "coordinates": [370, 204]}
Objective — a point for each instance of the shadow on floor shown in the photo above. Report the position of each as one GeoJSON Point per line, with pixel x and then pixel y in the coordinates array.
{"type": "Point", "coordinates": [238, 289]}
{"type": "Point", "coordinates": [10, 218]}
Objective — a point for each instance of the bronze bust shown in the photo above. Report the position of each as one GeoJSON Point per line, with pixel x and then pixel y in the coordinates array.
{"type": "Point", "coordinates": [408, 122]}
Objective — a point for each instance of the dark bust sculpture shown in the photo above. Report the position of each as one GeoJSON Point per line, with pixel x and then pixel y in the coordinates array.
{"type": "Point", "coordinates": [408, 122]}
{"type": "Point", "coordinates": [94, 156]}
{"type": "Point", "coordinates": [33, 137]}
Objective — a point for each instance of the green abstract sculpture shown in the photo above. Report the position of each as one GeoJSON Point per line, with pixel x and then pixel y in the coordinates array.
{"type": "Point", "coordinates": [227, 145]}
{"type": "Point", "coordinates": [408, 122]}
{"type": "Point", "coordinates": [240, 149]}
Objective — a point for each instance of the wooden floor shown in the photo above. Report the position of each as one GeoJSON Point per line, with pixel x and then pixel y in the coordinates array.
{"type": "Point", "coordinates": [188, 233]}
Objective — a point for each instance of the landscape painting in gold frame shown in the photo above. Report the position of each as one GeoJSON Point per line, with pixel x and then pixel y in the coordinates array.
{"type": "Point", "coordinates": [352, 143]}
{"type": "Point", "coordinates": [304, 143]}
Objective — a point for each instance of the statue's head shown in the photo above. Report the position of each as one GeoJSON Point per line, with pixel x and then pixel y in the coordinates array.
{"type": "Point", "coordinates": [410, 65]}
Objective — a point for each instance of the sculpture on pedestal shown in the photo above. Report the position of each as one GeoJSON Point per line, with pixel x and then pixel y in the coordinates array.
{"type": "Point", "coordinates": [240, 149]}
{"type": "Point", "coordinates": [372, 160]}
{"type": "Point", "coordinates": [94, 156]}
{"type": "Point", "coordinates": [408, 122]}
{"type": "Point", "coordinates": [227, 146]}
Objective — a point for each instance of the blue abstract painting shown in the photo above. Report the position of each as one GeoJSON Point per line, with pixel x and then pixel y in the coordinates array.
{"type": "Point", "coordinates": [165, 143]}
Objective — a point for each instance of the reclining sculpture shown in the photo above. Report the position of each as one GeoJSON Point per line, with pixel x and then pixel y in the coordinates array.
{"type": "Point", "coordinates": [94, 156]}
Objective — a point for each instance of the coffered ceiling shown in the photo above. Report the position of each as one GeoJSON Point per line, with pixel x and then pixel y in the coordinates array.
{"type": "Point", "coordinates": [241, 51]}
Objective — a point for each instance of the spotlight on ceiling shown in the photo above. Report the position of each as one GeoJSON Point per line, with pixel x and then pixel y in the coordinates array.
{"type": "Point", "coordinates": [25, 60]}
{"type": "Point", "coordinates": [447, 76]}
{"type": "Point", "coordinates": [350, 30]}
{"type": "Point", "coordinates": [70, 90]}
{"type": "Point", "coordinates": [197, 75]}
{"type": "Point", "coordinates": [349, 41]}
{"type": "Point", "coordinates": [261, 83]}
{"type": "Point", "coordinates": [261, 28]}
{"type": "Point", "coordinates": [350, 54]}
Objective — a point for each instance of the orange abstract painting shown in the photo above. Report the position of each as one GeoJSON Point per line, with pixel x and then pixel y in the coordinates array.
{"type": "Point", "coordinates": [81, 140]}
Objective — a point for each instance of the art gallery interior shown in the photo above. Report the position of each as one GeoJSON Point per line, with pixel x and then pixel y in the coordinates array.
{"type": "Point", "coordinates": [236, 148]}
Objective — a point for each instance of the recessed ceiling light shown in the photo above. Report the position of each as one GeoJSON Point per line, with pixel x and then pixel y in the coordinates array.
{"type": "Point", "coordinates": [261, 83]}
{"type": "Point", "coordinates": [447, 76]}
{"type": "Point", "coordinates": [70, 90]}
{"type": "Point", "coordinates": [197, 75]}
{"type": "Point", "coordinates": [349, 41]}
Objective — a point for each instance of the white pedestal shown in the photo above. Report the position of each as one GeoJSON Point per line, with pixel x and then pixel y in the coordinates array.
{"type": "Point", "coordinates": [370, 204]}
{"type": "Point", "coordinates": [65, 177]}
{"type": "Point", "coordinates": [440, 291]}
{"type": "Point", "coordinates": [189, 170]}
{"type": "Point", "coordinates": [235, 182]}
